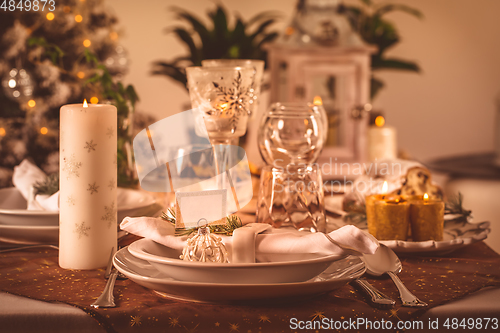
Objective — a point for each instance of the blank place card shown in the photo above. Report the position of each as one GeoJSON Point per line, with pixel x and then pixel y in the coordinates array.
{"type": "Point", "coordinates": [193, 208]}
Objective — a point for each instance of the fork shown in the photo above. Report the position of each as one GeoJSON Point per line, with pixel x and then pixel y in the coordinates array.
{"type": "Point", "coordinates": [107, 300]}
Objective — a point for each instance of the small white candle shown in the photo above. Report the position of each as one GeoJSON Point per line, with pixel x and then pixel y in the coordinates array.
{"type": "Point", "coordinates": [88, 178]}
{"type": "Point", "coordinates": [382, 142]}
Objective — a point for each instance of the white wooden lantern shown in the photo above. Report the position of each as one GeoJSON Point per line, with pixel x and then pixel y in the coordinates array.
{"type": "Point", "coordinates": [339, 72]}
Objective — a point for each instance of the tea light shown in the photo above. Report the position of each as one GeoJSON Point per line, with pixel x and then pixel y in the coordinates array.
{"type": "Point", "coordinates": [427, 219]}
{"type": "Point", "coordinates": [88, 178]}
{"type": "Point", "coordinates": [382, 142]}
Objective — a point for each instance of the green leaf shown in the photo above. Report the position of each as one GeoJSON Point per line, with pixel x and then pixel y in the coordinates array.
{"type": "Point", "coordinates": [375, 86]}
{"type": "Point", "coordinates": [267, 39]}
{"type": "Point", "coordinates": [185, 37]}
{"type": "Point", "coordinates": [403, 8]}
{"type": "Point", "coordinates": [395, 64]}
{"type": "Point", "coordinates": [262, 16]}
{"type": "Point", "coordinates": [219, 19]}
{"type": "Point", "coordinates": [172, 71]}
{"type": "Point", "coordinates": [261, 28]}
{"type": "Point", "coordinates": [199, 27]}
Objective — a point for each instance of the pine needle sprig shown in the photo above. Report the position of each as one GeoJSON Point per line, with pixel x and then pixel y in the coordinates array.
{"type": "Point", "coordinates": [233, 222]}
{"type": "Point", "coordinates": [455, 206]}
{"type": "Point", "coordinates": [48, 186]}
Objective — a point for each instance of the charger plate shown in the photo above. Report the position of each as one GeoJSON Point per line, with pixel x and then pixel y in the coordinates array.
{"type": "Point", "coordinates": [338, 274]}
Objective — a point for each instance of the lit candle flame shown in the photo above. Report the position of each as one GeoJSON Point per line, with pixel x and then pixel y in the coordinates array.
{"type": "Point", "coordinates": [85, 105]}
{"type": "Point", "coordinates": [379, 121]}
{"type": "Point", "coordinates": [317, 100]}
{"type": "Point", "coordinates": [385, 187]}
{"type": "Point", "coordinates": [426, 197]}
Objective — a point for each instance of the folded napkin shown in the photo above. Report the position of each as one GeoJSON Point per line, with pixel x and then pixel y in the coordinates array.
{"type": "Point", "coordinates": [267, 240]}
{"type": "Point", "coordinates": [25, 176]}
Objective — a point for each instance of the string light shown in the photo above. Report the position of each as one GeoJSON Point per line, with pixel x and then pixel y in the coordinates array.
{"type": "Point", "coordinates": [44, 130]}
{"type": "Point", "coordinates": [379, 121]}
{"type": "Point", "coordinates": [113, 35]}
{"type": "Point", "coordinates": [94, 100]}
{"type": "Point", "coordinates": [31, 103]}
{"type": "Point", "coordinates": [317, 100]}
{"type": "Point", "coordinates": [80, 75]}
{"type": "Point", "coordinates": [78, 18]}
{"type": "Point", "coordinates": [50, 16]}
{"type": "Point", "coordinates": [86, 43]}
{"type": "Point", "coordinates": [2, 131]}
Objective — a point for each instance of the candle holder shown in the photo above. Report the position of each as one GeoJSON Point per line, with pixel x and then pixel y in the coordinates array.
{"type": "Point", "coordinates": [225, 96]}
{"type": "Point", "coordinates": [258, 74]}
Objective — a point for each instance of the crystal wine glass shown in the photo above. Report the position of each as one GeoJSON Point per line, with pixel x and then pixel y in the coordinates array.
{"type": "Point", "coordinates": [291, 133]}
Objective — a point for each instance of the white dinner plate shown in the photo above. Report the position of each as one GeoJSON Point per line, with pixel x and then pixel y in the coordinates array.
{"type": "Point", "coordinates": [13, 208]}
{"type": "Point", "coordinates": [338, 274]}
{"type": "Point", "coordinates": [29, 234]}
{"type": "Point", "coordinates": [278, 268]}
{"type": "Point", "coordinates": [457, 234]}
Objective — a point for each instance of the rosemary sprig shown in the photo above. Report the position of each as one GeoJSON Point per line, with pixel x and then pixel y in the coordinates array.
{"type": "Point", "coordinates": [232, 222]}
{"type": "Point", "coordinates": [48, 186]}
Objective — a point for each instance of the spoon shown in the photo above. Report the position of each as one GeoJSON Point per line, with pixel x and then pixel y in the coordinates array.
{"type": "Point", "coordinates": [377, 298]}
{"type": "Point", "coordinates": [385, 261]}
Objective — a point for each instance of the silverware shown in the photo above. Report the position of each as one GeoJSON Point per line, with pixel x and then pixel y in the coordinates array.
{"type": "Point", "coordinates": [385, 261]}
{"type": "Point", "coordinates": [377, 298]}
{"type": "Point", "coordinates": [107, 300]}
{"type": "Point", "coordinates": [28, 247]}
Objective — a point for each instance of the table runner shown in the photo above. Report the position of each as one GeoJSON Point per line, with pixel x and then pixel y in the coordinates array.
{"type": "Point", "coordinates": [437, 280]}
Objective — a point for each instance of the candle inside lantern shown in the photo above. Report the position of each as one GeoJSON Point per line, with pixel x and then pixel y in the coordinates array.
{"type": "Point", "coordinates": [88, 178]}
{"type": "Point", "coordinates": [382, 142]}
{"type": "Point", "coordinates": [427, 219]}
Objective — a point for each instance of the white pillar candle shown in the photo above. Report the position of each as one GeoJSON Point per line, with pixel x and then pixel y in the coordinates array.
{"type": "Point", "coordinates": [382, 142]}
{"type": "Point", "coordinates": [88, 178]}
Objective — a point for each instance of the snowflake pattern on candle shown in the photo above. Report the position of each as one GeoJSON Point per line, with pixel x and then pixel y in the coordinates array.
{"type": "Point", "coordinates": [93, 188]}
{"type": "Point", "coordinates": [112, 184]}
{"type": "Point", "coordinates": [81, 229]}
{"type": "Point", "coordinates": [71, 166]}
{"type": "Point", "coordinates": [90, 146]}
{"type": "Point", "coordinates": [71, 201]}
{"type": "Point", "coordinates": [110, 132]}
{"type": "Point", "coordinates": [110, 214]}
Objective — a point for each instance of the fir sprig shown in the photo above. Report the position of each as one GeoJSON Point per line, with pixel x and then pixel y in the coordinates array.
{"type": "Point", "coordinates": [233, 222]}
{"type": "Point", "coordinates": [455, 206]}
{"type": "Point", "coordinates": [48, 186]}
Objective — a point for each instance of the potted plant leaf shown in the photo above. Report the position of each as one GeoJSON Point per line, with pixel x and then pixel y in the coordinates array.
{"type": "Point", "coordinates": [217, 40]}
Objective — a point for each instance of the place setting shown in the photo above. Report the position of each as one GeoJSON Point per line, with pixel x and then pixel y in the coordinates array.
{"type": "Point", "coordinates": [276, 193]}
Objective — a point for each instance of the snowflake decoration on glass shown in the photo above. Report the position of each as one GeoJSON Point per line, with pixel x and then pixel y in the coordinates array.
{"type": "Point", "coordinates": [90, 146]}
{"type": "Point", "coordinates": [110, 214]}
{"type": "Point", "coordinates": [71, 166]}
{"type": "Point", "coordinates": [71, 201]}
{"type": "Point", "coordinates": [93, 188]}
{"type": "Point", "coordinates": [81, 229]}
{"type": "Point", "coordinates": [232, 102]}
{"type": "Point", "coordinates": [112, 184]}
{"type": "Point", "coordinates": [110, 132]}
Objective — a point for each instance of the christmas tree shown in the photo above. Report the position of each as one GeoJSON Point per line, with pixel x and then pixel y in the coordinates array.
{"type": "Point", "coordinates": [53, 56]}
